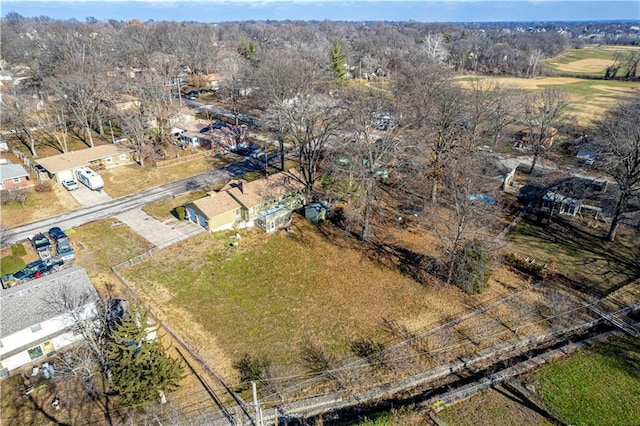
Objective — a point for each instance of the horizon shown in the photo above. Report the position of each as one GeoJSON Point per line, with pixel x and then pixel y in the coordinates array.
{"type": "Point", "coordinates": [432, 11]}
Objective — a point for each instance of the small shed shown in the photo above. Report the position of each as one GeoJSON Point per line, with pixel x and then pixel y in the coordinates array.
{"type": "Point", "coordinates": [315, 212]}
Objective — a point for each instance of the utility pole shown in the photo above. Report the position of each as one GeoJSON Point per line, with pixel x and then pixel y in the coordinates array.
{"type": "Point", "coordinates": [256, 405]}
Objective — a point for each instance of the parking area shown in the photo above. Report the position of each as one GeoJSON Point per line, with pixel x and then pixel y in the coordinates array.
{"type": "Point", "coordinates": [88, 198]}
{"type": "Point", "coordinates": [156, 232]}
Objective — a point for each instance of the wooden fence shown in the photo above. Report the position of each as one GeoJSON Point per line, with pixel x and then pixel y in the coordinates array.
{"type": "Point", "coordinates": [178, 160]}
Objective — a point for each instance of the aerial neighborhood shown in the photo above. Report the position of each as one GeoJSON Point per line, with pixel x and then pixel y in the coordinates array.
{"type": "Point", "coordinates": [319, 222]}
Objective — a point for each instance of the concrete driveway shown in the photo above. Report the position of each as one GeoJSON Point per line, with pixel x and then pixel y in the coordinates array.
{"type": "Point", "coordinates": [88, 198]}
{"type": "Point", "coordinates": [156, 232]}
{"type": "Point", "coordinates": [160, 234]}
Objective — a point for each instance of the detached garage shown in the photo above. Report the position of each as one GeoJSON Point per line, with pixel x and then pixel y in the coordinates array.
{"type": "Point", "coordinates": [62, 167]}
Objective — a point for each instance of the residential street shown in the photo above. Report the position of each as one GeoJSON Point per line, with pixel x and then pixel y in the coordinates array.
{"type": "Point", "coordinates": [135, 201]}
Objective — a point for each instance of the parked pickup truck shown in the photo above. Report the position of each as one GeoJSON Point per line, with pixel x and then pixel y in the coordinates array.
{"type": "Point", "coordinates": [32, 271]}
{"type": "Point", "coordinates": [42, 245]}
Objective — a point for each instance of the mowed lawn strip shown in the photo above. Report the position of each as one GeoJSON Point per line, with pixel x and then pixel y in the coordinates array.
{"type": "Point", "coordinates": [595, 387]}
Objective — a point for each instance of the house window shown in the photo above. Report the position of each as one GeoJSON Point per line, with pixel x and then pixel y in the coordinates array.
{"type": "Point", "coordinates": [108, 160]}
{"type": "Point", "coordinates": [16, 180]}
{"type": "Point", "coordinates": [123, 156]}
{"type": "Point", "coordinates": [36, 327]}
{"type": "Point", "coordinates": [35, 352]}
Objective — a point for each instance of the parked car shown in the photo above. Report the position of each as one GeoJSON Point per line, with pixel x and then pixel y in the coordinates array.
{"type": "Point", "coordinates": [33, 270]}
{"type": "Point", "coordinates": [70, 184]}
{"type": "Point", "coordinates": [57, 234]}
{"type": "Point", "coordinates": [40, 242]}
{"type": "Point", "coordinates": [64, 250]}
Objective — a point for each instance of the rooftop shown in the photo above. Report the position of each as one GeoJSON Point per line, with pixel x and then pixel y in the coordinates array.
{"type": "Point", "coordinates": [44, 298]}
{"type": "Point", "coordinates": [251, 194]}
{"type": "Point", "coordinates": [10, 171]}
{"type": "Point", "coordinates": [216, 203]}
{"type": "Point", "coordinates": [75, 159]}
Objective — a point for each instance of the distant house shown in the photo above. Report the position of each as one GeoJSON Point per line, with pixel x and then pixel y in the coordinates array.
{"type": "Point", "coordinates": [266, 203]}
{"type": "Point", "coordinates": [40, 317]}
{"type": "Point", "coordinates": [14, 177]}
{"type": "Point", "coordinates": [62, 166]}
{"type": "Point", "coordinates": [529, 135]}
{"type": "Point", "coordinates": [4, 147]}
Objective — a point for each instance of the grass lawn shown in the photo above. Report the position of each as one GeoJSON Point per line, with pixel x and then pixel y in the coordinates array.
{"type": "Point", "coordinates": [595, 387]}
{"type": "Point", "coordinates": [102, 244]}
{"type": "Point", "coordinates": [39, 205]}
{"type": "Point", "coordinates": [125, 180]}
{"type": "Point", "coordinates": [580, 253]}
{"type": "Point", "coordinates": [272, 292]}
{"type": "Point", "coordinates": [495, 407]}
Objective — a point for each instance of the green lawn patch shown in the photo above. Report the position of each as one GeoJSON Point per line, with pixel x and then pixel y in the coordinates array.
{"type": "Point", "coordinates": [165, 209]}
{"type": "Point", "coordinates": [11, 264]}
{"type": "Point", "coordinates": [596, 387]}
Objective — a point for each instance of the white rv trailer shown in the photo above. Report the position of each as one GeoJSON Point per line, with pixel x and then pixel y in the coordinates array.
{"type": "Point", "coordinates": [90, 179]}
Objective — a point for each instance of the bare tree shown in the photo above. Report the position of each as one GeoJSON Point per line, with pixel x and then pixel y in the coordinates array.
{"type": "Point", "coordinates": [282, 77]}
{"type": "Point", "coordinates": [543, 111]}
{"type": "Point", "coordinates": [21, 116]}
{"type": "Point", "coordinates": [366, 157]}
{"type": "Point", "coordinates": [618, 145]}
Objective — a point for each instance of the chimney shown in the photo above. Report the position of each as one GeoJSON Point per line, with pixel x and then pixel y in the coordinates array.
{"type": "Point", "coordinates": [240, 186]}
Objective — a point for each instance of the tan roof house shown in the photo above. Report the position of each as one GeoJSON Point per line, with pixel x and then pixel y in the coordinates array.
{"type": "Point", "coordinates": [215, 212]}
{"type": "Point", "coordinates": [267, 203]}
{"type": "Point", "coordinates": [62, 166]}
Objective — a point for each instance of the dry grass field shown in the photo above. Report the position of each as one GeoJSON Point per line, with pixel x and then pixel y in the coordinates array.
{"type": "Point", "coordinates": [273, 292]}
{"type": "Point", "coordinates": [588, 99]}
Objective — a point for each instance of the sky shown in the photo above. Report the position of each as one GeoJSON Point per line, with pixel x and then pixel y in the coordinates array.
{"type": "Point", "coordinates": [335, 10]}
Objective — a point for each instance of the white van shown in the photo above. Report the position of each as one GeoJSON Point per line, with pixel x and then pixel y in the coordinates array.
{"type": "Point", "coordinates": [90, 179]}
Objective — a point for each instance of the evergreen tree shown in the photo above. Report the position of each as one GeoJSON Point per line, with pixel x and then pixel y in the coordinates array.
{"type": "Point", "coordinates": [338, 61]}
{"type": "Point", "coordinates": [140, 369]}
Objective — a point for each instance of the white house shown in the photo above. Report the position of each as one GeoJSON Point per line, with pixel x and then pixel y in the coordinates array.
{"type": "Point", "coordinates": [39, 317]}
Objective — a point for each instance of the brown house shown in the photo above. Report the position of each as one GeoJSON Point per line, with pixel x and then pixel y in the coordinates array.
{"type": "Point", "coordinates": [14, 177]}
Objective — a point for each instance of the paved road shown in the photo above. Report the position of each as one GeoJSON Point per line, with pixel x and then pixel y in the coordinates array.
{"type": "Point", "coordinates": [134, 201]}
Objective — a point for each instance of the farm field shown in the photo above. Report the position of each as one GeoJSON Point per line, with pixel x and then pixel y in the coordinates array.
{"type": "Point", "coordinates": [271, 293]}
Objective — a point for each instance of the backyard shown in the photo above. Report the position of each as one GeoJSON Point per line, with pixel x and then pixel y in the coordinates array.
{"type": "Point", "coordinates": [270, 293]}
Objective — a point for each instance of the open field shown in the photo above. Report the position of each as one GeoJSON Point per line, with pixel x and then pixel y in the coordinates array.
{"type": "Point", "coordinates": [590, 60]}
{"type": "Point", "coordinates": [595, 387]}
{"type": "Point", "coordinates": [273, 292]}
{"type": "Point", "coordinates": [102, 244]}
{"type": "Point", "coordinates": [588, 99]}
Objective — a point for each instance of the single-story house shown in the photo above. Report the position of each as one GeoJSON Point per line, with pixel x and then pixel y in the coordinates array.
{"type": "Point", "coordinates": [13, 177]}
{"type": "Point", "coordinates": [62, 166]}
{"type": "Point", "coordinates": [282, 189]}
{"type": "Point", "coordinates": [40, 317]}
{"type": "Point", "coordinates": [215, 212]}
{"type": "Point", "coordinates": [267, 203]}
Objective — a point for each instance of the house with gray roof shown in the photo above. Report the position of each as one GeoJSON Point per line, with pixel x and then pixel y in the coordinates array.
{"type": "Point", "coordinates": [13, 177]}
{"type": "Point", "coordinates": [40, 317]}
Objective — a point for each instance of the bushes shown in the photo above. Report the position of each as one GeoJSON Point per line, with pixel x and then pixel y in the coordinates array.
{"type": "Point", "coordinates": [250, 369]}
{"type": "Point", "coordinates": [180, 212]}
{"type": "Point", "coordinates": [43, 186]}
{"type": "Point", "coordinates": [471, 267]}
